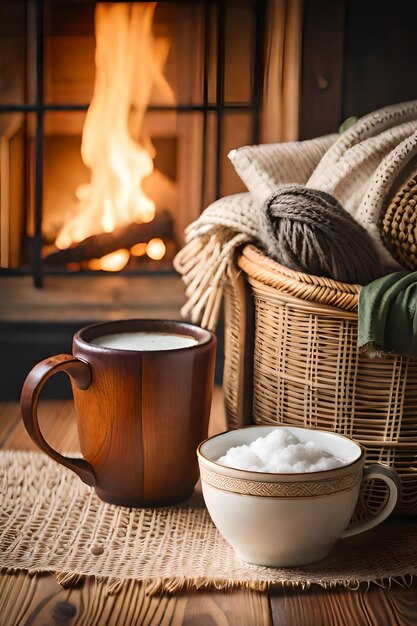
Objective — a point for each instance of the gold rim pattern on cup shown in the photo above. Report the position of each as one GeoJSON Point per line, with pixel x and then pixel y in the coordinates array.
{"type": "Point", "coordinates": [305, 489]}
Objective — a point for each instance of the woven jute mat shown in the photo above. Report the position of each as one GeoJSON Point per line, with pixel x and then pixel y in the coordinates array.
{"type": "Point", "coordinates": [51, 522]}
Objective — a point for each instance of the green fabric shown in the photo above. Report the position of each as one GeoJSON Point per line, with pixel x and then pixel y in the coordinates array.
{"type": "Point", "coordinates": [388, 315]}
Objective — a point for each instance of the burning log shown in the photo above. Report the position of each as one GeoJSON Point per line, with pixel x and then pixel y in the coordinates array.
{"type": "Point", "coordinates": [98, 246]}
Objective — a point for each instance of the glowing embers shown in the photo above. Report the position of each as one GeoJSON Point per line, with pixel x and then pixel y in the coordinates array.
{"type": "Point", "coordinates": [115, 261]}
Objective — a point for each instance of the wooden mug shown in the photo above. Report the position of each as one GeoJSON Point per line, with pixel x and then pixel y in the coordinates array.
{"type": "Point", "coordinates": [140, 414]}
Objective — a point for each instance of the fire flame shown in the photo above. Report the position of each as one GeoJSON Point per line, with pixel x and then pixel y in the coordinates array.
{"type": "Point", "coordinates": [129, 64]}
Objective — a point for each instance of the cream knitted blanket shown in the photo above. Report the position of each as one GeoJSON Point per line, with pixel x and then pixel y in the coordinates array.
{"type": "Point", "coordinates": [358, 168]}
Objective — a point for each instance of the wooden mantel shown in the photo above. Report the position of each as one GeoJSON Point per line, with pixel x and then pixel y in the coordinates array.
{"type": "Point", "coordinates": [73, 297]}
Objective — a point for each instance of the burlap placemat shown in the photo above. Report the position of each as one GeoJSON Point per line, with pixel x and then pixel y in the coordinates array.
{"type": "Point", "coordinates": [51, 522]}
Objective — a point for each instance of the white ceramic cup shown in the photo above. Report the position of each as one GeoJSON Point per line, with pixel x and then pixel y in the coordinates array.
{"type": "Point", "coordinates": [285, 520]}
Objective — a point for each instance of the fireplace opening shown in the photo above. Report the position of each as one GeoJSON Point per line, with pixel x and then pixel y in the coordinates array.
{"type": "Point", "coordinates": [115, 122]}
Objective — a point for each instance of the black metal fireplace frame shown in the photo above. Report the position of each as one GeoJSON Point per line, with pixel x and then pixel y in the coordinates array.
{"type": "Point", "coordinates": [213, 9]}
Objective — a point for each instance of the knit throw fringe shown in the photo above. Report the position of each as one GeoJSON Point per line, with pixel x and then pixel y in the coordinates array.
{"type": "Point", "coordinates": [205, 262]}
{"type": "Point", "coordinates": [305, 229]}
{"type": "Point", "coordinates": [52, 522]}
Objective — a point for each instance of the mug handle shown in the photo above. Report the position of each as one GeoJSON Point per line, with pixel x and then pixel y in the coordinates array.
{"type": "Point", "coordinates": [392, 480]}
{"type": "Point", "coordinates": [80, 373]}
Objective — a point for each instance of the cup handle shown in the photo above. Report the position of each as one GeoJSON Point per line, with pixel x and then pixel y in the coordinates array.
{"type": "Point", "coordinates": [391, 478]}
{"type": "Point", "coordinates": [80, 373]}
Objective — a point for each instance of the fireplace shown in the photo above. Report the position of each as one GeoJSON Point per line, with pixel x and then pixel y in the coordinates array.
{"type": "Point", "coordinates": [115, 124]}
{"type": "Point", "coordinates": [177, 85]}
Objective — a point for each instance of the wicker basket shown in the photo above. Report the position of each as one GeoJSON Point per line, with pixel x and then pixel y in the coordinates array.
{"type": "Point", "coordinates": [292, 358]}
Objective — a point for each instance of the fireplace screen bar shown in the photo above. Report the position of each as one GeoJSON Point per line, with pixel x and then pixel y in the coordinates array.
{"type": "Point", "coordinates": [115, 124]}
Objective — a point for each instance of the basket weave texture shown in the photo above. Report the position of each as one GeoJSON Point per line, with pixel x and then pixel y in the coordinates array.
{"type": "Point", "coordinates": [307, 369]}
{"type": "Point", "coordinates": [399, 224]}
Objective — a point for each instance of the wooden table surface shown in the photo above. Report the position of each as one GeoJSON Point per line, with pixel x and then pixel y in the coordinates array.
{"type": "Point", "coordinates": [40, 601]}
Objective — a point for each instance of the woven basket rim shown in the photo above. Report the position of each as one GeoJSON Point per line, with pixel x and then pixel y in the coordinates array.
{"type": "Point", "coordinates": [307, 286]}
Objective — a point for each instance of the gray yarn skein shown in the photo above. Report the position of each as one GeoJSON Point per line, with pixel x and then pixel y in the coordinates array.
{"type": "Point", "coordinates": [309, 231]}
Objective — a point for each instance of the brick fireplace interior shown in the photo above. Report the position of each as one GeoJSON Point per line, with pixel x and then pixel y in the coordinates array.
{"type": "Point", "coordinates": [115, 124]}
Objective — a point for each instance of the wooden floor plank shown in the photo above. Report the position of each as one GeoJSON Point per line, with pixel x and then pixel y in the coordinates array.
{"type": "Point", "coordinates": [366, 607]}
{"type": "Point", "coordinates": [26, 600]}
{"type": "Point", "coordinates": [58, 425]}
{"type": "Point", "coordinates": [9, 418]}
{"type": "Point", "coordinates": [227, 608]}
